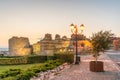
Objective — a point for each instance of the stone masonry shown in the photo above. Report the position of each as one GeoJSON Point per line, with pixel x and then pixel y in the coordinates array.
{"type": "Point", "coordinates": [19, 46]}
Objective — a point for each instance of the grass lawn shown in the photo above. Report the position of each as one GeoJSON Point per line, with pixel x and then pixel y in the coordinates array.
{"type": "Point", "coordinates": [23, 67]}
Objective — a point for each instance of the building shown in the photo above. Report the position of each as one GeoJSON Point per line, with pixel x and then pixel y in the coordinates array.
{"type": "Point", "coordinates": [19, 46]}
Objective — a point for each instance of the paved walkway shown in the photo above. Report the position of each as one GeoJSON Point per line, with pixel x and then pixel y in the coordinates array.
{"type": "Point", "coordinates": [82, 72]}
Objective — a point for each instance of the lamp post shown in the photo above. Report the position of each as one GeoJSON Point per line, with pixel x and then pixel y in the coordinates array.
{"type": "Point", "coordinates": [74, 30]}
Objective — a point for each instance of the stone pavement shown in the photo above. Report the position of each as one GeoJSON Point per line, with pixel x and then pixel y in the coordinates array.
{"type": "Point", "coordinates": [82, 72]}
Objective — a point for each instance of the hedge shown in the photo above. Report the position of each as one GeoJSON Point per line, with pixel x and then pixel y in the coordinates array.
{"type": "Point", "coordinates": [11, 61]}
{"type": "Point", "coordinates": [14, 60]}
{"type": "Point", "coordinates": [36, 59]}
{"type": "Point", "coordinates": [23, 60]}
{"type": "Point", "coordinates": [67, 57]}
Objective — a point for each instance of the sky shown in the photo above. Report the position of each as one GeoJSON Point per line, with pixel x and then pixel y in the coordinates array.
{"type": "Point", "coordinates": [35, 18]}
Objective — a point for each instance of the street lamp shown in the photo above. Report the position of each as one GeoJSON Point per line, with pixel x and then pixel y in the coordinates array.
{"type": "Point", "coordinates": [82, 28]}
{"type": "Point", "coordinates": [74, 30]}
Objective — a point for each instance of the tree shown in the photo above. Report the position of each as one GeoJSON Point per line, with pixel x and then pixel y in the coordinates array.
{"type": "Point", "coordinates": [100, 42]}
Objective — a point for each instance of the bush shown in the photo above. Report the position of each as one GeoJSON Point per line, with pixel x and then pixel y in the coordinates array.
{"type": "Point", "coordinates": [18, 74]}
{"type": "Point", "coordinates": [10, 72]}
{"type": "Point", "coordinates": [16, 60]}
{"type": "Point", "coordinates": [35, 69]}
{"type": "Point", "coordinates": [2, 76]}
{"type": "Point", "coordinates": [67, 57]}
{"type": "Point", "coordinates": [25, 75]}
{"type": "Point", "coordinates": [36, 59]}
{"type": "Point", "coordinates": [51, 58]}
{"type": "Point", "coordinates": [9, 78]}
{"type": "Point", "coordinates": [46, 66]}
{"type": "Point", "coordinates": [22, 60]}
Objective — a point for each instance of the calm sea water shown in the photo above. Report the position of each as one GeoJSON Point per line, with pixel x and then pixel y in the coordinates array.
{"type": "Point", "coordinates": [3, 49]}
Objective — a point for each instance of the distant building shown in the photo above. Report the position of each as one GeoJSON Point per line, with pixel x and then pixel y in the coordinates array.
{"type": "Point", "coordinates": [116, 43]}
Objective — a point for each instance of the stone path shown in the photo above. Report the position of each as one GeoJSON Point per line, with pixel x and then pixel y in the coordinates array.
{"type": "Point", "coordinates": [115, 56]}
{"type": "Point", "coordinates": [82, 72]}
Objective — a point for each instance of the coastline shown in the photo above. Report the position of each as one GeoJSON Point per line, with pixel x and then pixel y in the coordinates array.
{"type": "Point", "coordinates": [3, 49]}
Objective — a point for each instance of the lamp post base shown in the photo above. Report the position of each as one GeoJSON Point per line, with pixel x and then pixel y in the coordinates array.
{"type": "Point", "coordinates": [77, 60]}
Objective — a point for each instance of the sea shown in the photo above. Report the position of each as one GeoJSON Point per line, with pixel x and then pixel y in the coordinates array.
{"type": "Point", "coordinates": [3, 49]}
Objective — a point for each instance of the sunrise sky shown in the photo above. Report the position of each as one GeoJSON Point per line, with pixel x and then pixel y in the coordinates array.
{"type": "Point", "coordinates": [34, 18]}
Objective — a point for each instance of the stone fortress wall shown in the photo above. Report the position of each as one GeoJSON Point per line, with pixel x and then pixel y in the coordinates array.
{"type": "Point", "coordinates": [19, 46]}
{"type": "Point", "coordinates": [48, 46]}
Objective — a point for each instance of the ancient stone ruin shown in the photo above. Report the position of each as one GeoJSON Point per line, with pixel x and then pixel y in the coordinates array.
{"type": "Point", "coordinates": [19, 46]}
{"type": "Point", "coordinates": [50, 46]}
{"type": "Point", "coordinates": [36, 48]}
{"type": "Point", "coordinates": [48, 37]}
{"type": "Point", "coordinates": [57, 37]}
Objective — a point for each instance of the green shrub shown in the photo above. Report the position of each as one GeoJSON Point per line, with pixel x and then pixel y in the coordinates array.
{"type": "Point", "coordinates": [2, 76]}
{"type": "Point", "coordinates": [22, 77]}
{"type": "Point", "coordinates": [18, 74]}
{"type": "Point", "coordinates": [36, 59]}
{"type": "Point", "coordinates": [51, 58]}
{"type": "Point", "coordinates": [22, 60]}
{"type": "Point", "coordinates": [67, 57]}
{"type": "Point", "coordinates": [9, 78]}
{"type": "Point", "coordinates": [12, 72]}
{"type": "Point", "coordinates": [47, 66]}
{"type": "Point", "coordinates": [16, 60]}
{"type": "Point", "coordinates": [56, 62]}
{"type": "Point", "coordinates": [52, 64]}
{"type": "Point", "coordinates": [26, 75]}
{"type": "Point", "coordinates": [34, 69]}
{"type": "Point", "coordinates": [10, 56]}
{"type": "Point", "coordinates": [42, 68]}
